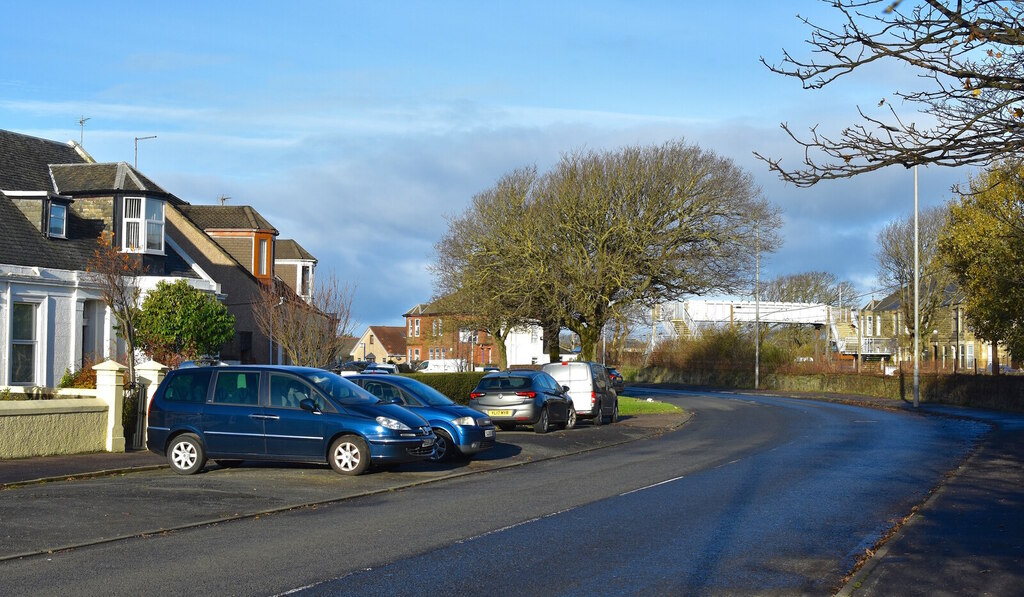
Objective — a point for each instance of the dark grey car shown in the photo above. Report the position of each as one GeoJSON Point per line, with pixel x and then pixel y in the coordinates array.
{"type": "Point", "coordinates": [523, 397]}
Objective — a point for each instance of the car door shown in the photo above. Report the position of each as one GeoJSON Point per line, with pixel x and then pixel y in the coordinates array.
{"type": "Point", "coordinates": [557, 401]}
{"type": "Point", "coordinates": [233, 418]}
{"type": "Point", "coordinates": [291, 432]}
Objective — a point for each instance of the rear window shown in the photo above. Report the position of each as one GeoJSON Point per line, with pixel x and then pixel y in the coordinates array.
{"type": "Point", "coordinates": [504, 382]}
{"type": "Point", "coordinates": [187, 386]}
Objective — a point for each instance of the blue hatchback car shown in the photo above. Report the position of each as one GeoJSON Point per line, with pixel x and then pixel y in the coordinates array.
{"type": "Point", "coordinates": [459, 429]}
{"type": "Point", "coordinates": [298, 414]}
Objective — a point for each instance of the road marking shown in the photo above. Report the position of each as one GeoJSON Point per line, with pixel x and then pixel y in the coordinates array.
{"type": "Point", "coordinates": [652, 485]}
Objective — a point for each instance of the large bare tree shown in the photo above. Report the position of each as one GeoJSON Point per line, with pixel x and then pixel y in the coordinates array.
{"type": "Point", "coordinates": [895, 258]}
{"type": "Point", "coordinates": [969, 60]}
{"type": "Point", "coordinates": [309, 334]}
{"type": "Point", "coordinates": [644, 225]}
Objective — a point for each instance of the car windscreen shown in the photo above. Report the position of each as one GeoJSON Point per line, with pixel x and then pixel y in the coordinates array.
{"type": "Point", "coordinates": [340, 389]}
{"type": "Point", "coordinates": [430, 396]}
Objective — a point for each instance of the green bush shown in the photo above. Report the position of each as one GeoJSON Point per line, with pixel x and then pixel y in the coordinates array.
{"type": "Point", "coordinates": [456, 386]}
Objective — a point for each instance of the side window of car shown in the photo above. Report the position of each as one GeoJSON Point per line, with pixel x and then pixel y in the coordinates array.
{"type": "Point", "coordinates": [287, 391]}
{"type": "Point", "coordinates": [600, 377]}
{"type": "Point", "coordinates": [188, 386]}
{"type": "Point", "coordinates": [237, 387]}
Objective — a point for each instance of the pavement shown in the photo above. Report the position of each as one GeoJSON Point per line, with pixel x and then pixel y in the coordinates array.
{"type": "Point", "coordinates": [966, 537]}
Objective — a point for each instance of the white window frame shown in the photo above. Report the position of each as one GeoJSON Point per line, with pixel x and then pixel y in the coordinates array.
{"type": "Point", "coordinates": [869, 327]}
{"type": "Point", "coordinates": [417, 321]}
{"type": "Point", "coordinates": [63, 221]}
{"type": "Point", "coordinates": [140, 241]}
{"type": "Point", "coordinates": [35, 342]}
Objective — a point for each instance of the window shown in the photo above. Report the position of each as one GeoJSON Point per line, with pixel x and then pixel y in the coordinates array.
{"type": "Point", "coordinates": [23, 344]}
{"type": "Point", "coordinates": [417, 353]}
{"type": "Point", "coordinates": [306, 272]}
{"type": "Point", "coordinates": [869, 326]}
{"type": "Point", "coordinates": [237, 388]}
{"type": "Point", "coordinates": [371, 339]}
{"type": "Point", "coordinates": [143, 230]}
{"type": "Point", "coordinates": [262, 257]}
{"type": "Point", "coordinates": [188, 386]}
{"type": "Point", "coordinates": [417, 323]}
{"type": "Point", "coordinates": [58, 220]}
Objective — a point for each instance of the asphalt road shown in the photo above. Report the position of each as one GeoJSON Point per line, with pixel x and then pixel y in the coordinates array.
{"type": "Point", "coordinates": [754, 495]}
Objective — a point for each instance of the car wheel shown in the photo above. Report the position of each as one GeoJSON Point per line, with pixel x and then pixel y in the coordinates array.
{"type": "Point", "coordinates": [186, 454]}
{"type": "Point", "coordinates": [506, 426]}
{"type": "Point", "coordinates": [349, 455]}
{"type": "Point", "coordinates": [599, 417]}
{"type": "Point", "coordinates": [228, 463]}
{"type": "Point", "coordinates": [444, 446]}
{"type": "Point", "coordinates": [572, 418]}
{"type": "Point", "coordinates": [543, 424]}
{"type": "Point", "coordinates": [615, 413]}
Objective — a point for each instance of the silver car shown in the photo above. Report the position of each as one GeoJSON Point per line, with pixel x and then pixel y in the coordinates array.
{"type": "Point", "coordinates": [523, 397]}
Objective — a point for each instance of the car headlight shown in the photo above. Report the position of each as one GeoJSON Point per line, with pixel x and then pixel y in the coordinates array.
{"type": "Point", "coordinates": [465, 421]}
{"type": "Point", "coordinates": [389, 423]}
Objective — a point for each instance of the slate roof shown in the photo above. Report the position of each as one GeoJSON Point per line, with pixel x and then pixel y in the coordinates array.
{"type": "Point", "coordinates": [26, 159]}
{"type": "Point", "coordinates": [950, 296]}
{"type": "Point", "coordinates": [22, 244]}
{"type": "Point", "coordinates": [226, 217]}
{"type": "Point", "coordinates": [79, 179]}
{"type": "Point", "coordinates": [391, 337]}
{"type": "Point", "coordinates": [286, 248]}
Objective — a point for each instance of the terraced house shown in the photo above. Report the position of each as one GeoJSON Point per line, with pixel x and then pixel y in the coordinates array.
{"type": "Point", "coordinates": [56, 202]}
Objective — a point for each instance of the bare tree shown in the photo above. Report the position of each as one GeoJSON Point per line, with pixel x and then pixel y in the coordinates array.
{"type": "Point", "coordinates": [896, 267]}
{"type": "Point", "coordinates": [969, 58]}
{"type": "Point", "coordinates": [644, 225]}
{"type": "Point", "coordinates": [482, 276]}
{"type": "Point", "coordinates": [117, 274]}
{"type": "Point", "coordinates": [310, 334]}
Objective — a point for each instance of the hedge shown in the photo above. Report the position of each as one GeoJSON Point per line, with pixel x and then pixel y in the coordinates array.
{"type": "Point", "coordinates": [456, 386]}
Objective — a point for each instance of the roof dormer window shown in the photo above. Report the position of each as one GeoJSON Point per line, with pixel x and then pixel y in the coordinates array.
{"type": "Point", "coordinates": [143, 230]}
{"type": "Point", "coordinates": [58, 220]}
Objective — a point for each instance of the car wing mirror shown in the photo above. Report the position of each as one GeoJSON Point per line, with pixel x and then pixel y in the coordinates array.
{"type": "Point", "coordinates": [308, 404]}
{"type": "Point", "coordinates": [565, 389]}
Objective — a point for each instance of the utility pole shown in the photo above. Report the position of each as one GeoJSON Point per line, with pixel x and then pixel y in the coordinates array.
{"type": "Point", "coordinates": [137, 139]}
{"type": "Point", "coordinates": [757, 302]}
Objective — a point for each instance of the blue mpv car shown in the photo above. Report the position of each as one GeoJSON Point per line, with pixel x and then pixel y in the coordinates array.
{"type": "Point", "coordinates": [294, 414]}
{"type": "Point", "coordinates": [460, 430]}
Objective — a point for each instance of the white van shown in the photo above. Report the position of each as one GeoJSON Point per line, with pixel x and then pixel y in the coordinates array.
{"type": "Point", "coordinates": [442, 366]}
{"type": "Point", "coordinates": [592, 394]}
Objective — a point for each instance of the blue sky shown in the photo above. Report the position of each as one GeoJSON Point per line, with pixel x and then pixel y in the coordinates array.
{"type": "Point", "coordinates": [356, 128]}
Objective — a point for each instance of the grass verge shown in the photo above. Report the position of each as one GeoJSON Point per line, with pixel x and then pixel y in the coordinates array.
{"type": "Point", "coordinates": [635, 406]}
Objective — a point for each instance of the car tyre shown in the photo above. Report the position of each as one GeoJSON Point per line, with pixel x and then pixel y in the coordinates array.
{"type": "Point", "coordinates": [186, 454]}
{"type": "Point", "coordinates": [444, 447]}
{"type": "Point", "coordinates": [615, 413]}
{"type": "Point", "coordinates": [349, 455]}
{"type": "Point", "coordinates": [599, 417]}
{"type": "Point", "coordinates": [543, 424]}
{"type": "Point", "coordinates": [571, 421]}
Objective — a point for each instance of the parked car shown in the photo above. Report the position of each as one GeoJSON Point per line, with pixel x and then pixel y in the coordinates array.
{"type": "Point", "coordinates": [589, 387]}
{"type": "Point", "coordinates": [442, 366]}
{"type": "Point", "coordinates": [490, 369]}
{"type": "Point", "coordinates": [616, 379]}
{"type": "Point", "coordinates": [460, 430]}
{"type": "Point", "coordinates": [378, 368]}
{"type": "Point", "coordinates": [523, 397]}
{"type": "Point", "coordinates": [279, 413]}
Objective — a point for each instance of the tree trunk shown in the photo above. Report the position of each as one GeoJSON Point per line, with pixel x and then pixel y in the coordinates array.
{"type": "Point", "coordinates": [995, 358]}
{"type": "Point", "coordinates": [551, 330]}
{"type": "Point", "coordinates": [589, 337]}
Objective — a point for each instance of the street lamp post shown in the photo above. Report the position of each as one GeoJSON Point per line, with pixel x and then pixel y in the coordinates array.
{"type": "Point", "coordinates": [917, 317]}
{"type": "Point", "coordinates": [757, 302]}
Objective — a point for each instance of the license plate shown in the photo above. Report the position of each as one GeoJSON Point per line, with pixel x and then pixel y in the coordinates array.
{"type": "Point", "coordinates": [428, 442]}
{"type": "Point", "coordinates": [500, 413]}
{"type": "Point", "coordinates": [488, 433]}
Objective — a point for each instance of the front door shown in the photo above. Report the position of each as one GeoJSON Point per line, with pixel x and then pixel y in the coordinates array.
{"type": "Point", "coordinates": [293, 433]}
